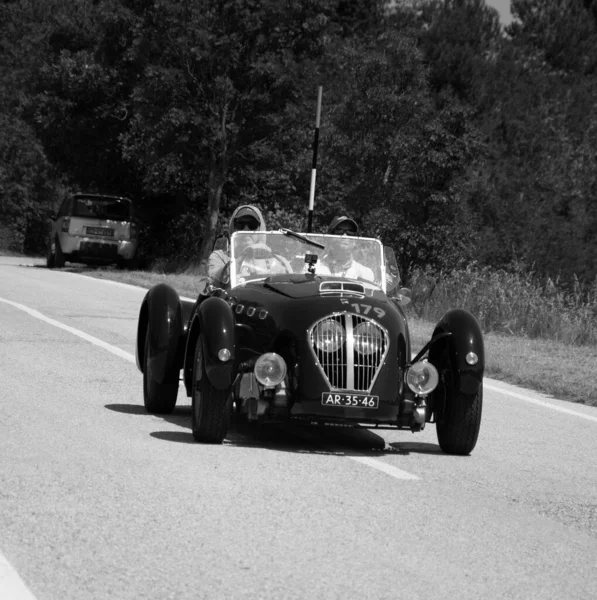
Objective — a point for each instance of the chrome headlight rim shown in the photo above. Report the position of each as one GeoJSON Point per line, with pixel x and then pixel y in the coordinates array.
{"type": "Point", "coordinates": [321, 339]}
{"type": "Point", "coordinates": [422, 377]}
{"type": "Point", "coordinates": [371, 342]}
{"type": "Point", "coordinates": [270, 369]}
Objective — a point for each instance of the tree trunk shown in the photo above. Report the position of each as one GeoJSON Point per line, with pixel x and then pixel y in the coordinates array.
{"type": "Point", "coordinates": [214, 195]}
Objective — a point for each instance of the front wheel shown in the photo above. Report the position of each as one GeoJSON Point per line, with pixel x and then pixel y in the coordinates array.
{"type": "Point", "coordinates": [457, 433]}
{"type": "Point", "coordinates": [210, 410]}
{"type": "Point", "coordinates": [159, 398]}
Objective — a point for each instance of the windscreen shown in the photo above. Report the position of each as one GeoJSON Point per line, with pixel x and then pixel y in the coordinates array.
{"type": "Point", "coordinates": [256, 255]}
{"type": "Point", "coordinates": [102, 208]}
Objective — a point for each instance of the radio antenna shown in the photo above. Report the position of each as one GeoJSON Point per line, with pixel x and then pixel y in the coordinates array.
{"type": "Point", "coordinates": [314, 166]}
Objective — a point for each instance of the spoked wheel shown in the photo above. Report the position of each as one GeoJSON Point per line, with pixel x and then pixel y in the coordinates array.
{"type": "Point", "coordinates": [159, 398]}
{"type": "Point", "coordinates": [210, 410]}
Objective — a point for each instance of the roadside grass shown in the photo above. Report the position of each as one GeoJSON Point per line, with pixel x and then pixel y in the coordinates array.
{"type": "Point", "coordinates": [554, 368]}
{"type": "Point", "coordinates": [557, 368]}
{"type": "Point", "coordinates": [514, 302]}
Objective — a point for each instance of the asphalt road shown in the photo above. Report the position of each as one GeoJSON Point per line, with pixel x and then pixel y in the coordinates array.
{"type": "Point", "coordinates": [100, 500]}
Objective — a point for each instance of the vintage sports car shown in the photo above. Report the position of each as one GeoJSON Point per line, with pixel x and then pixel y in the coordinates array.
{"type": "Point", "coordinates": [295, 337]}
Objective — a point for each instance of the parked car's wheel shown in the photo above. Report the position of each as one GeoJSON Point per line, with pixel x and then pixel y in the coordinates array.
{"type": "Point", "coordinates": [159, 398]}
{"type": "Point", "coordinates": [50, 257]}
{"type": "Point", "coordinates": [132, 264]}
{"type": "Point", "coordinates": [59, 257]}
{"type": "Point", "coordinates": [459, 430]}
{"type": "Point", "coordinates": [210, 409]}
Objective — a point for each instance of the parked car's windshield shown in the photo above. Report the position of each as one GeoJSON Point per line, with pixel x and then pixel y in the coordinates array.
{"type": "Point", "coordinates": [102, 208]}
{"type": "Point", "coordinates": [256, 255]}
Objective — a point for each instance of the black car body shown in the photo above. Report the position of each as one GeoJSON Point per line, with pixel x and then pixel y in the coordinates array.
{"type": "Point", "coordinates": [290, 341]}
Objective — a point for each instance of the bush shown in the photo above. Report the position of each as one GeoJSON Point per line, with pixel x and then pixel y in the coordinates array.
{"type": "Point", "coordinates": [511, 302]}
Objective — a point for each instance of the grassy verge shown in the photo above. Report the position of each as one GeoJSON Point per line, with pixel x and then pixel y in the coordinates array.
{"type": "Point", "coordinates": [555, 368]}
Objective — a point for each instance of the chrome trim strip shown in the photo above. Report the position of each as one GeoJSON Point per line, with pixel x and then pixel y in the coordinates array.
{"type": "Point", "coordinates": [349, 351]}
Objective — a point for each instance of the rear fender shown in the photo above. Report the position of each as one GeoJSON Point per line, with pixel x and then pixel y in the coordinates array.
{"type": "Point", "coordinates": [161, 311]}
{"type": "Point", "coordinates": [215, 321]}
{"type": "Point", "coordinates": [450, 352]}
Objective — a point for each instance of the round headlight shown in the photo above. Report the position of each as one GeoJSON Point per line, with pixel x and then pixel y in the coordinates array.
{"type": "Point", "coordinates": [368, 338]}
{"type": "Point", "coordinates": [422, 378]}
{"type": "Point", "coordinates": [329, 336]}
{"type": "Point", "coordinates": [270, 369]}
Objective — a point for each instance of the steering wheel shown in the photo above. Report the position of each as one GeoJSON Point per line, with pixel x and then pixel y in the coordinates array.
{"type": "Point", "coordinates": [260, 252]}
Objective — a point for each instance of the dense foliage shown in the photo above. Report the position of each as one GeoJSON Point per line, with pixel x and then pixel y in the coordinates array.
{"type": "Point", "coordinates": [453, 140]}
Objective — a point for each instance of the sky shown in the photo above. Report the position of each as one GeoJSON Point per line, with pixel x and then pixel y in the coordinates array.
{"type": "Point", "coordinates": [503, 7]}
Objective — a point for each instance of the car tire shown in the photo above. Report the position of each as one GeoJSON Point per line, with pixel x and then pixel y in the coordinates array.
{"type": "Point", "coordinates": [210, 406]}
{"type": "Point", "coordinates": [159, 398]}
{"type": "Point", "coordinates": [59, 257]}
{"type": "Point", "coordinates": [50, 257]}
{"type": "Point", "coordinates": [457, 433]}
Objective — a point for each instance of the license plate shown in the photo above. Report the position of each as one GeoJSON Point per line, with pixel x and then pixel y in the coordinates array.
{"type": "Point", "coordinates": [349, 400]}
{"type": "Point", "coordinates": [104, 231]}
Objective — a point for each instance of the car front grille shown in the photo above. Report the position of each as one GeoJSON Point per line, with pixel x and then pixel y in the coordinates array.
{"type": "Point", "coordinates": [350, 357]}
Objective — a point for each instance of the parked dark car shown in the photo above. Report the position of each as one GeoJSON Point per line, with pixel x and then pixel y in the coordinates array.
{"type": "Point", "coordinates": [93, 229]}
{"type": "Point", "coordinates": [288, 342]}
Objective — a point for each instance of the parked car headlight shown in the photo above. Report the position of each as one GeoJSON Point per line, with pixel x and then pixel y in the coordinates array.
{"type": "Point", "coordinates": [329, 336]}
{"type": "Point", "coordinates": [422, 377]}
{"type": "Point", "coordinates": [270, 369]}
{"type": "Point", "coordinates": [368, 338]}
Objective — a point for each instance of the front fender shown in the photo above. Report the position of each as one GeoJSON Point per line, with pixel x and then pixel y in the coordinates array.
{"type": "Point", "coordinates": [465, 337]}
{"type": "Point", "coordinates": [216, 324]}
{"type": "Point", "coordinates": [161, 315]}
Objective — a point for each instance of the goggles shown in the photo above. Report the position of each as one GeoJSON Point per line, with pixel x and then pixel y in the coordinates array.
{"type": "Point", "coordinates": [251, 224]}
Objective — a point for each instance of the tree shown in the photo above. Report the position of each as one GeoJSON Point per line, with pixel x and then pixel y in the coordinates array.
{"type": "Point", "coordinates": [565, 31]}
{"type": "Point", "coordinates": [220, 83]}
{"type": "Point", "coordinates": [390, 157]}
{"type": "Point", "coordinates": [27, 195]}
{"type": "Point", "coordinates": [458, 37]}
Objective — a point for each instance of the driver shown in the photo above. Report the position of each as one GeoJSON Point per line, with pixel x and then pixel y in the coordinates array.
{"type": "Point", "coordinates": [245, 218]}
{"type": "Point", "coordinates": [256, 256]}
{"type": "Point", "coordinates": [339, 260]}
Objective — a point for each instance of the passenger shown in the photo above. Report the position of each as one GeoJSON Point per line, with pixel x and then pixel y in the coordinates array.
{"type": "Point", "coordinates": [339, 260]}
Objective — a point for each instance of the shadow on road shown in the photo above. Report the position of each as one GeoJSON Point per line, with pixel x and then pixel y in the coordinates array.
{"type": "Point", "coordinates": [286, 437]}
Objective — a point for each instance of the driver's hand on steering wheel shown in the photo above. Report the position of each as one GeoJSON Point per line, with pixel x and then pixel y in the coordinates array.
{"type": "Point", "coordinates": [257, 251]}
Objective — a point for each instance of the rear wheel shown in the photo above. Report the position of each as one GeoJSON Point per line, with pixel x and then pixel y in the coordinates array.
{"type": "Point", "coordinates": [159, 398]}
{"type": "Point", "coordinates": [459, 430]}
{"type": "Point", "coordinates": [50, 257]}
{"type": "Point", "coordinates": [59, 258]}
{"type": "Point", "coordinates": [210, 409]}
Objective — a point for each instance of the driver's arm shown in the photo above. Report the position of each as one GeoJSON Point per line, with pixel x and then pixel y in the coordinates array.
{"type": "Point", "coordinates": [217, 267]}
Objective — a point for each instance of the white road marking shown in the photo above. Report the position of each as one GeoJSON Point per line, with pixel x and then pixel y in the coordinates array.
{"type": "Point", "coordinates": [384, 467]}
{"type": "Point", "coordinates": [371, 462]}
{"type": "Point", "coordinates": [125, 285]}
{"type": "Point", "coordinates": [539, 402]}
{"type": "Point", "coordinates": [12, 586]}
{"type": "Point", "coordinates": [89, 338]}
{"type": "Point", "coordinates": [376, 464]}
